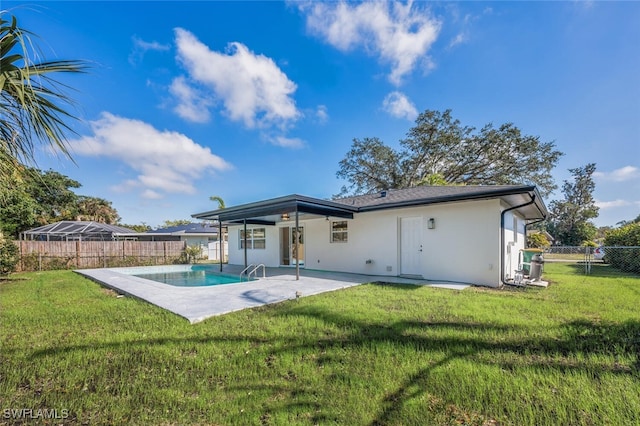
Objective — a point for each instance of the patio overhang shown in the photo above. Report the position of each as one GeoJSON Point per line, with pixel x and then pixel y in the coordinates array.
{"type": "Point", "coordinates": [270, 212]}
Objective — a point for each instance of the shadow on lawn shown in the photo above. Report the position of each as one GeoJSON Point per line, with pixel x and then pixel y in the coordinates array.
{"type": "Point", "coordinates": [564, 350]}
{"type": "Point", "coordinates": [576, 337]}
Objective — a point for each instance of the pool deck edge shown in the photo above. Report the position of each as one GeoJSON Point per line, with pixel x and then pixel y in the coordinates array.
{"type": "Point", "coordinates": [197, 304]}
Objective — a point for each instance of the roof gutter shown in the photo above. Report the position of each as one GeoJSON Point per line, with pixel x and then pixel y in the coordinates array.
{"type": "Point", "coordinates": [502, 248]}
{"type": "Point", "coordinates": [533, 223]}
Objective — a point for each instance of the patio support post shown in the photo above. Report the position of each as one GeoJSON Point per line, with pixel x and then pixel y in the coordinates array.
{"type": "Point", "coordinates": [220, 242]}
{"type": "Point", "coordinates": [245, 242]}
{"type": "Point", "coordinates": [297, 235]}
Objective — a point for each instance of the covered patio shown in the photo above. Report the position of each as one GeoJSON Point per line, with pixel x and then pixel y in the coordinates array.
{"type": "Point", "coordinates": [292, 208]}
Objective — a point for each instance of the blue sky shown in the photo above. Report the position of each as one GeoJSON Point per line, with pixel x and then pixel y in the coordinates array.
{"type": "Point", "coordinates": [254, 100]}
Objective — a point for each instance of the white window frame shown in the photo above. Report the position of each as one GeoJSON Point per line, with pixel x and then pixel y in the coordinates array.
{"type": "Point", "coordinates": [344, 232]}
{"type": "Point", "coordinates": [253, 242]}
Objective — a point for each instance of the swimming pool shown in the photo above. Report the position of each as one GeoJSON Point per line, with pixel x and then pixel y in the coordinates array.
{"type": "Point", "coordinates": [196, 276]}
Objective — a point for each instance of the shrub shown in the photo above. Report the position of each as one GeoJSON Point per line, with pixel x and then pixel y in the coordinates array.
{"type": "Point", "coordinates": [120, 262]}
{"type": "Point", "coordinates": [193, 253]}
{"type": "Point", "coordinates": [538, 241]}
{"type": "Point", "coordinates": [30, 262]}
{"type": "Point", "coordinates": [616, 240]}
{"type": "Point", "coordinates": [9, 256]}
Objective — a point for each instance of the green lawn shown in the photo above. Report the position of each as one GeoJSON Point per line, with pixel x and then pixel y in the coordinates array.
{"type": "Point", "coordinates": [369, 355]}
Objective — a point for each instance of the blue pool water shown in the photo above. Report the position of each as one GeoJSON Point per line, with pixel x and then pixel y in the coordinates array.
{"type": "Point", "coordinates": [197, 277]}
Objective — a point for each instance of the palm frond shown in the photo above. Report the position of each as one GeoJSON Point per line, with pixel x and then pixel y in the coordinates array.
{"type": "Point", "coordinates": [33, 104]}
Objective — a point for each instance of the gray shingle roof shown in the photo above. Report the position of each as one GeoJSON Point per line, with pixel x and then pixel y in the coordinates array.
{"type": "Point", "coordinates": [428, 194]}
{"type": "Point", "coordinates": [525, 197]}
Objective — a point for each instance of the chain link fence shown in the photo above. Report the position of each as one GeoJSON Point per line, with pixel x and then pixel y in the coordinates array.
{"type": "Point", "coordinates": [624, 258]}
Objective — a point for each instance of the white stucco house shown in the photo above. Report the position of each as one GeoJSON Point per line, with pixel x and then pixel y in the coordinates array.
{"type": "Point", "coordinates": [469, 234]}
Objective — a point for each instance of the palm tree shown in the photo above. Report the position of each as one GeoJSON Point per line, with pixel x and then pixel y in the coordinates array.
{"type": "Point", "coordinates": [97, 210]}
{"type": "Point", "coordinates": [219, 200]}
{"type": "Point", "coordinates": [31, 101]}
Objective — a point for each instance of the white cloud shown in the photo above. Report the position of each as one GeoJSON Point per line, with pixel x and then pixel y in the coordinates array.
{"type": "Point", "coordinates": [126, 186]}
{"type": "Point", "coordinates": [321, 114]}
{"type": "Point", "coordinates": [287, 142]}
{"type": "Point", "coordinates": [140, 47]}
{"type": "Point", "coordinates": [250, 86]}
{"type": "Point", "coordinates": [457, 40]}
{"type": "Point", "coordinates": [398, 105]}
{"type": "Point", "coordinates": [398, 34]}
{"type": "Point", "coordinates": [150, 194]}
{"type": "Point", "coordinates": [604, 205]}
{"type": "Point", "coordinates": [167, 162]}
{"type": "Point", "coordinates": [145, 45]}
{"type": "Point", "coordinates": [192, 104]}
{"type": "Point", "coordinates": [619, 175]}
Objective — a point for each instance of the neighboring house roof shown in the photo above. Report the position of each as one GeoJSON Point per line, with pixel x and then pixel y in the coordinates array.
{"type": "Point", "coordinates": [526, 197]}
{"type": "Point", "coordinates": [177, 232]}
{"type": "Point", "coordinates": [67, 229]}
{"type": "Point", "coordinates": [186, 230]}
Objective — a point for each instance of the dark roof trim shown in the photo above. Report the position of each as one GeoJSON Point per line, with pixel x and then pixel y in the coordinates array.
{"type": "Point", "coordinates": [253, 222]}
{"type": "Point", "coordinates": [280, 205]}
{"type": "Point", "coordinates": [344, 209]}
{"type": "Point", "coordinates": [490, 193]}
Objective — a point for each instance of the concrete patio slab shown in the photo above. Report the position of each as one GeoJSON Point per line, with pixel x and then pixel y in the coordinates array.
{"type": "Point", "coordinates": [199, 303]}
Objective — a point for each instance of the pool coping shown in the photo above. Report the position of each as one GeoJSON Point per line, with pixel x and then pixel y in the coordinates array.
{"type": "Point", "coordinates": [199, 303]}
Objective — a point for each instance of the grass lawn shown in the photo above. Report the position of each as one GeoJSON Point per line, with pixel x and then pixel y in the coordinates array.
{"type": "Point", "coordinates": [368, 355]}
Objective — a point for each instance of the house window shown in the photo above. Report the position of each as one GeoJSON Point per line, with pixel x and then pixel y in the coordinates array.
{"type": "Point", "coordinates": [256, 238]}
{"type": "Point", "coordinates": [339, 232]}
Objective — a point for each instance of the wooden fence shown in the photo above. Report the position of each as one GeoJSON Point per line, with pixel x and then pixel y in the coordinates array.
{"type": "Point", "coordinates": [49, 255]}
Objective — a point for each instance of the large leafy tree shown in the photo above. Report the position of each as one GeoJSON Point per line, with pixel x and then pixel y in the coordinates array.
{"type": "Point", "coordinates": [18, 210]}
{"type": "Point", "coordinates": [53, 194]}
{"type": "Point", "coordinates": [440, 150]}
{"type": "Point", "coordinates": [32, 198]}
{"type": "Point", "coordinates": [570, 218]}
{"type": "Point", "coordinates": [33, 105]}
{"type": "Point", "coordinates": [96, 209]}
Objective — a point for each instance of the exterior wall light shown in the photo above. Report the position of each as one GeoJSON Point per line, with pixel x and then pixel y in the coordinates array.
{"type": "Point", "coordinates": [431, 223]}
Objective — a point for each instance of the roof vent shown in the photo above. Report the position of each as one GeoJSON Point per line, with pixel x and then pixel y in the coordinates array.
{"type": "Point", "coordinates": [383, 194]}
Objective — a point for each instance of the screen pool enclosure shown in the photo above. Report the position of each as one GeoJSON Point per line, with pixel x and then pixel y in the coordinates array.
{"type": "Point", "coordinates": [68, 230]}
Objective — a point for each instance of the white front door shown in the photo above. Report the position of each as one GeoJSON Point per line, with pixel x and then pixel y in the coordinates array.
{"type": "Point", "coordinates": [411, 246]}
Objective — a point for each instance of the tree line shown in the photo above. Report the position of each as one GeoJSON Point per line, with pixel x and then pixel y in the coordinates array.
{"type": "Point", "coordinates": [33, 197]}
{"type": "Point", "coordinates": [440, 150]}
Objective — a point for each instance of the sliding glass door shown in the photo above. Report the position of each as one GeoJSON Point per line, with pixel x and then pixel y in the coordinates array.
{"type": "Point", "coordinates": [290, 254]}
